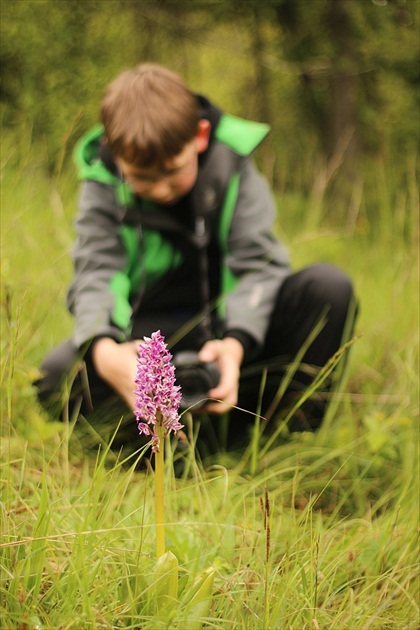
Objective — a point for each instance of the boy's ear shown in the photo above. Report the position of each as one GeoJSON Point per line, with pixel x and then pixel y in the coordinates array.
{"type": "Point", "coordinates": [202, 136]}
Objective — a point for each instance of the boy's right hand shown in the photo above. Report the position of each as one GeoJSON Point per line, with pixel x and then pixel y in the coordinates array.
{"type": "Point", "coordinates": [116, 363]}
{"type": "Point", "coordinates": [228, 353]}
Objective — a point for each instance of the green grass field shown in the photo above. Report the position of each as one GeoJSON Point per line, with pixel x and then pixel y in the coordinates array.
{"type": "Point", "coordinates": [313, 532]}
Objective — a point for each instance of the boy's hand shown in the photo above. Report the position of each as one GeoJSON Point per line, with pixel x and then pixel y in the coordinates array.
{"type": "Point", "coordinates": [116, 363]}
{"type": "Point", "coordinates": [228, 354]}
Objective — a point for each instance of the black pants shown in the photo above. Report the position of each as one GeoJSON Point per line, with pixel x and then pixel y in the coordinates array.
{"type": "Point", "coordinates": [314, 312]}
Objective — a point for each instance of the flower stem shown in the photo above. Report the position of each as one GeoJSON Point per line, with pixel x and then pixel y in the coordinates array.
{"type": "Point", "coordinates": [159, 490]}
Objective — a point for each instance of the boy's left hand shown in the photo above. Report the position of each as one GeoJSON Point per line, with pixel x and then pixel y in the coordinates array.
{"type": "Point", "coordinates": [228, 354]}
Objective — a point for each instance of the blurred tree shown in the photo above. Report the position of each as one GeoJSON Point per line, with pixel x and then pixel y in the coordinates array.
{"type": "Point", "coordinates": [349, 54]}
{"type": "Point", "coordinates": [43, 43]}
{"type": "Point", "coordinates": [336, 79]}
{"type": "Point", "coordinates": [342, 48]}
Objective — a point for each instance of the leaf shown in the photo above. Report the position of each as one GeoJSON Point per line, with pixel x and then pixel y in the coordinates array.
{"type": "Point", "coordinates": [200, 603]}
{"type": "Point", "coordinates": [164, 589]}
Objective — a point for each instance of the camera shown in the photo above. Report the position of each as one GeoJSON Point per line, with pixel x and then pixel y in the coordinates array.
{"type": "Point", "coordinates": [195, 377]}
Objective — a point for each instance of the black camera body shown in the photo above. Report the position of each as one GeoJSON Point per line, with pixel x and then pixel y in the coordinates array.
{"type": "Point", "coordinates": [195, 377]}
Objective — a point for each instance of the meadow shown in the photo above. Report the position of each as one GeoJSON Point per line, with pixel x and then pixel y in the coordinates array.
{"type": "Point", "coordinates": [304, 532]}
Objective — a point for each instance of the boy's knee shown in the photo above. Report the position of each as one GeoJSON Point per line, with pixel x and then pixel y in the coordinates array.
{"type": "Point", "coordinates": [329, 285]}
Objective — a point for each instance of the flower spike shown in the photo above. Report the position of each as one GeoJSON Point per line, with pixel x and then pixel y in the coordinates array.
{"type": "Point", "coordinates": [157, 396]}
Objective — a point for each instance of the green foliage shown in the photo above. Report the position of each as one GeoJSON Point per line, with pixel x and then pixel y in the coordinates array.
{"type": "Point", "coordinates": [336, 547]}
{"type": "Point", "coordinates": [78, 539]}
{"type": "Point", "coordinates": [281, 62]}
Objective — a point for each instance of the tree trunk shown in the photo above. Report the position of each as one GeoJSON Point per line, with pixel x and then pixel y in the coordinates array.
{"type": "Point", "coordinates": [342, 141]}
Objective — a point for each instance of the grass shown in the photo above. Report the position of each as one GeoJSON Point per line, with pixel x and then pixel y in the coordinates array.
{"type": "Point", "coordinates": [317, 531]}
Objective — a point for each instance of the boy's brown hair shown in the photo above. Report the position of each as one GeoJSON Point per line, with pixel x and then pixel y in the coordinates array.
{"type": "Point", "coordinates": [149, 115]}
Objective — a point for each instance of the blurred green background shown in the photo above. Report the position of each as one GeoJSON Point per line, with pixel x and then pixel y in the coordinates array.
{"type": "Point", "coordinates": [337, 80]}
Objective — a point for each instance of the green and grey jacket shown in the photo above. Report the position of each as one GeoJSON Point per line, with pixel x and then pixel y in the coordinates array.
{"type": "Point", "coordinates": [133, 257]}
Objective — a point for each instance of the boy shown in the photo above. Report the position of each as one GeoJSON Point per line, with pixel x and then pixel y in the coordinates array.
{"type": "Point", "coordinates": [175, 234]}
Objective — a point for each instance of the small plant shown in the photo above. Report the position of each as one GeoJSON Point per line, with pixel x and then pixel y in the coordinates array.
{"type": "Point", "coordinates": [156, 410]}
{"type": "Point", "coordinates": [266, 510]}
{"type": "Point", "coordinates": [157, 413]}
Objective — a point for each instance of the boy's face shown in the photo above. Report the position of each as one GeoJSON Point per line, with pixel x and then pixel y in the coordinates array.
{"type": "Point", "coordinates": [165, 186]}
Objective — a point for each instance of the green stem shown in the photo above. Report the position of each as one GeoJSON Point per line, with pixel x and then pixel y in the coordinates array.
{"type": "Point", "coordinates": [159, 490]}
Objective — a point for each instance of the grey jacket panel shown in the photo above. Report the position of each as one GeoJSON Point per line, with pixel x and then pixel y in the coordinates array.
{"type": "Point", "coordinates": [255, 257]}
{"type": "Point", "coordinates": [98, 254]}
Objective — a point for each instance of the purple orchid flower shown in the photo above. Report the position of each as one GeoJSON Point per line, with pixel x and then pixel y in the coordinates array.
{"type": "Point", "coordinates": [157, 396]}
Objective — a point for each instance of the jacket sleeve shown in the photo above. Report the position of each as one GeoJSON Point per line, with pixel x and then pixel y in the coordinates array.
{"type": "Point", "coordinates": [99, 257]}
{"type": "Point", "coordinates": [257, 260]}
